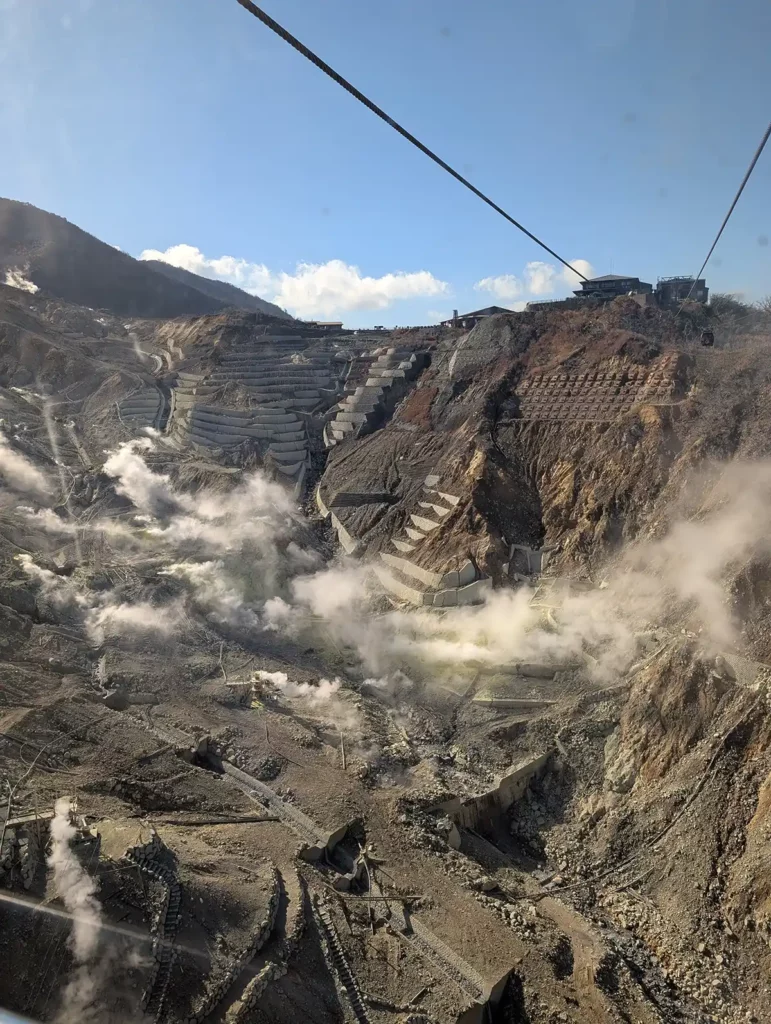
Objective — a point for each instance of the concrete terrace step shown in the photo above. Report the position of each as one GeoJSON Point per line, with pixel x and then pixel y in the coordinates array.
{"type": "Point", "coordinates": [367, 391]}
{"type": "Point", "coordinates": [146, 398]}
{"type": "Point", "coordinates": [450, 499]}
{"type": "Point", "coordinates": [437, 509]}
{"type": "Point", "coordinates": [402, 545]}
{"type": "Point", "coordinates": [251, 415]}
{"type": "Point", "coordinates": [272, 370]}
{"type": "Point", "coordinates": [414, 534]}
{"type": "Point", "coordinates": [357, 418]}
{"type": "Point", "coordinates": [448, 579]}
{"type": "Point", "coordinates": [257, 378]}
{"type": "Point", "coordinates": [242, 433]}
{"type": "Point", "coordinates": [289, 446]}
{"type": "Point", "coordinates": [274, 387]}
{"type": "Point", "coordinates": [290, 470]}
{"type": "Point", "coordinates": [401, 588]}
{"type": "Point", "coordinates": [232, 421]}
{"type": "Point", "coordinates": [355, 499]}
{"type": "Point", "coordinates": [206, 442]}
{"type": "Point", "coordinates": [404, 588]}
{"type": "Point", "coordinates": [257, 433]}
{"type": "Point", "coordinates": [387, 372]}
{"type": "Point", "coordinates": [195, 389]}
{"type": "Point", "coordinates": [360, 405]}
{"type": "Point", "coordinates": [291, 458]}
{"type": "Point", "coordinates": [280, 398]}
{"type": "Point", "coordinates": [215, 439]}
{"type": "Point", "coordinates": [415, 572]}
{"type": "Point", "coordinates": [139, 410]}
{"type": "Point", "coordinates": [427, 525]}
{"type": "Point", "coordinates": [271, 364]}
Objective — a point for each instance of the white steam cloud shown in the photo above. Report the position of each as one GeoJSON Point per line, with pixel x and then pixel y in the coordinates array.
{"type": "Point", "coordinates": [314, 695]}
{"type": "Point", "coordinates": [15, 279]}
{"type": "Point", "coordinates": [19, 474]}
{"type": "Point", "coordinates": [680, 577]}
{"type": "Point", "coordinates": [77, 890]}
{"type": "Point", "coordinates": [242, 562]}
{"type": "Point", "coordinates": [231, 551]}
{"type": "Point", "coordinates": [327, 702]}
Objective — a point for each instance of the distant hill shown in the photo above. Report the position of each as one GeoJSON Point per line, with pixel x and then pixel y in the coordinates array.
{"type": "Point", "coordinates": [66, 262]}
{"type": "Point", "coordinates": [219, 290]}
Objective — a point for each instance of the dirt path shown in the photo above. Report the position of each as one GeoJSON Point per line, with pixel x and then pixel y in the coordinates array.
{"type": "Point", "coordinates": [587, 953]}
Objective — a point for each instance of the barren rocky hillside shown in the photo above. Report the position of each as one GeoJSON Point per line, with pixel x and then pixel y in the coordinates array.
{"type": "Point", "coordinates": [70, 264]}
{"type": "Point", "coordinates": [223, 292]}
{"type": "Point", "coordinates": [417, 678]}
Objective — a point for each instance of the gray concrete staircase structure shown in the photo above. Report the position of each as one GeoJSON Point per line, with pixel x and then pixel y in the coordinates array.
{"type": "Point", "coordinates": [367, 405]}
{"type": "Point", "coordinates": [403, 576]}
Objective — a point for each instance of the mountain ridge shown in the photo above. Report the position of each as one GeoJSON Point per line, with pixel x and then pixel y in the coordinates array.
{"type": "Point", "coordinates": [69, 263]}
{"type": "Point", "coordinates": [220, 291]}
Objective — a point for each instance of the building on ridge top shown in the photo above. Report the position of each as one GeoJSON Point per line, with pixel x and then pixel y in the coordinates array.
{"type": "Point", "coordinates": [612, 285]}
{"type": "Point", "coordinates": [674, 290]}
{"type": "Point", "coordinates": [325, 325]}
{"type": "Point", "coordinates": [473, 318]}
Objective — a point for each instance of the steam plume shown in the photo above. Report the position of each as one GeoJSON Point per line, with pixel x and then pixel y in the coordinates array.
{"type": "Point", "coordinates": [19, 473]}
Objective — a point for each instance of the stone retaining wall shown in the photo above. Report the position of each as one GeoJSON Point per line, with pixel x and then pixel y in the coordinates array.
{"type": "Point", "coordinates": [164, 928]}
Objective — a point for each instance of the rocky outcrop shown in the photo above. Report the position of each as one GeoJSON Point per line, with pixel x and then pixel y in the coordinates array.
{"type": "Point", "coordinates": [546, 440]}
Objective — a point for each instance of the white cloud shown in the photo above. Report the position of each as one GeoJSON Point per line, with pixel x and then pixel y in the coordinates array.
{"type": "Point", "coordinates": [330, 287]}
{"type": "Point", "coordinates": [314, 289]}
{"type": "Point", "coordinates": [537, 280]}
{"type": "Point", "coordinates": [505, 287]}
{"type": "Point", "coordinates": [571, 278]}
{"type": "Point", "coordinates": [252, 277]}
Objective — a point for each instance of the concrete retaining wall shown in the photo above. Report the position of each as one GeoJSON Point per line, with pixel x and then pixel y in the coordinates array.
{"type": "Point", "coordinates": [431, 579]}
{"type": "Point", "coordinates": [320, 503]}
{"type": "Point", "coordinates": [483, 811]}
{"type": "Point", "coordinates": [402, 590]}
{"type": "Point", "coordinates": [348, 543]}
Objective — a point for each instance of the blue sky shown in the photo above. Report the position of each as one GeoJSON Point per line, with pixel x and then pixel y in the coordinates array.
{"type": "Point", "coordinates": [617, 130]}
